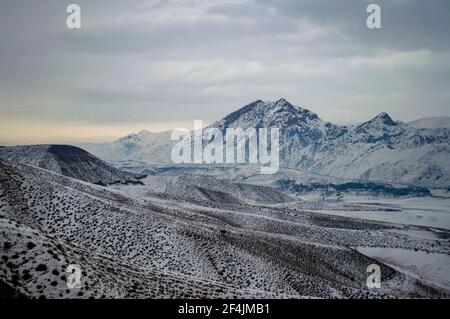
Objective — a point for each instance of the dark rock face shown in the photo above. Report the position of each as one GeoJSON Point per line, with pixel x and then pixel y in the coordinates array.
{"type": "Point", "coordinates": [77, 163]}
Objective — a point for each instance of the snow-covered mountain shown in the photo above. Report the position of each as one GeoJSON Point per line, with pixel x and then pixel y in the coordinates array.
{"type": "Point", "coordinates": [142, 146]}
{"type": "Point", "coordinates": [69, 161]}
{"type": "Point", "coordinates": [379, 149]}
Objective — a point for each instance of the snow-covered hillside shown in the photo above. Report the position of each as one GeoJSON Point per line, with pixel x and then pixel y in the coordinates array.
{"type": "Point", "coordinates": [205, 188]}
{"type": "Point", "coordinates": [69, 161]}
{"type": "Point", "coordinates": [379, 149]}
{"type": "Point", "coordinates": [290, 180]}
{"type": "Point", "coordinates": [151, 246]}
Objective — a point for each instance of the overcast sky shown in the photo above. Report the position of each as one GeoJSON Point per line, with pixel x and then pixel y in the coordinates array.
{"type": "Point", "coordinates": [156, 65]}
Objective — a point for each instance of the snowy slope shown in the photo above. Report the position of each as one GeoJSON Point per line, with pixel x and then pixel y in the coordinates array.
{"type": "Point", "coordinates": [36, 266]}
{"type": "Point", "coordinates": [151, 247]}
{"type": "Point", "coordinates": [208, 188]}
{"type": "Point", "coordinates": [69, 161]}
{"type": "Point", "coordinates": [288, 180]}
{"type": "Point", "coordinates": [205, 188]}
{"type": "Point", "coordinates": [433, 269]}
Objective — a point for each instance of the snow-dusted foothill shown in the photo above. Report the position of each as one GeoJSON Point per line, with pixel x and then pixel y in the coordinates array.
{"type": "Point", "coordinates": [144, 244]}
{"type": "Point", "coordinates": [69, 161]}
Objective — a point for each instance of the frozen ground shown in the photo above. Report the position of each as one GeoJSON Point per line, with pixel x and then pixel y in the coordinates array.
{"type": "Point", "coordinates": [432, 268]}
{"type": "Point", "coordinates": [422, 211]}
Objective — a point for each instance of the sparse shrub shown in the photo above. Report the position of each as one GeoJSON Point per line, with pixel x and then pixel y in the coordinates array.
{"type": "Point", "coordinates": [41, 267]}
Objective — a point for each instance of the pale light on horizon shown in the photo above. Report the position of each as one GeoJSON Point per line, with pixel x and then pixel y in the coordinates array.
{"type": "Point", "coordinates": [31, 132]}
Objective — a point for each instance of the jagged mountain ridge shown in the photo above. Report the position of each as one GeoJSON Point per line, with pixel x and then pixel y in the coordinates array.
{"type": "Point", "coordinates": [379, 149]}
{"type": "Point", "coordinates": [69, 161]}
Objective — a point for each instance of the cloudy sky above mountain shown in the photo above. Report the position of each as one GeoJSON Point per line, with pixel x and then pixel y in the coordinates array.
{"type": "Point", "coordinates": [151, 64]}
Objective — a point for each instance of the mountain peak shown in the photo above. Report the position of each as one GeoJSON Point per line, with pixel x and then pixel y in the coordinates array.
{"type": "Point", "coordinates": [260, 113]}
{"type": "Point", "coordinates": [143, 132]}
{"type": "Point", "coordinates": [383, 118]}
{"type": "Point", "coordinates": [141, 135]}
{"type": "Point", "coordinates": [282, 101]}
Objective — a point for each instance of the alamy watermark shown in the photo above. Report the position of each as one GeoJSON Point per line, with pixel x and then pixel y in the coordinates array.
{"type": "Point", "coordinates": [373, 20]}
{"type": "Point", "coordinates": [374, 279]}
{"type": "Point", "coordinates": [230, 146]}
{"type": "Point", "coordinates": [73, 277]}
{"type": "Point", "coordinates": [74, 19]}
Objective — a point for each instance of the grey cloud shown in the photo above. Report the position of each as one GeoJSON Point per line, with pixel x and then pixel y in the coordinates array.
{"type": "Point", "coordinates": [406, 24]}
{"type": "Point", "coordinates": [201, 60]}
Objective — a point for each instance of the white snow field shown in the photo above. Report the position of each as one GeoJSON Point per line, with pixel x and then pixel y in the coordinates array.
{"type": "Point", "coordinates": [421, 211]}
{"type": "Point", "coordinates": [433, 269]}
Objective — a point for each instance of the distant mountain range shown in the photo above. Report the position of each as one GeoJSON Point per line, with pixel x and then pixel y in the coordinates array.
{"type": "Point", "coordinates": [379, 149]}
